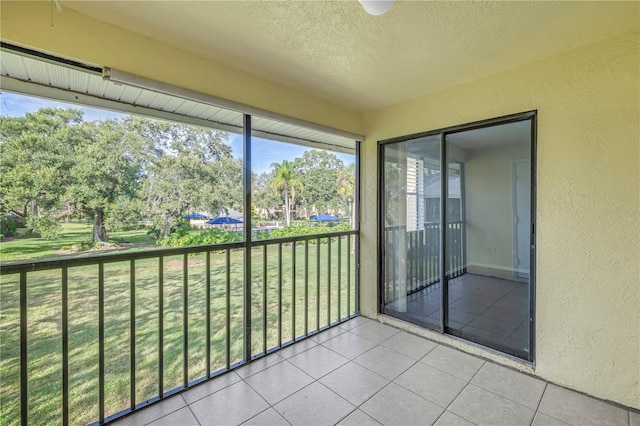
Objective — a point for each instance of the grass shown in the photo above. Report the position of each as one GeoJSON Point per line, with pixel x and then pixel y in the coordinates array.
{"type": "Point", "coordinates": [44, 315]}
{"type": "Point", "coordinates": [32, 248]}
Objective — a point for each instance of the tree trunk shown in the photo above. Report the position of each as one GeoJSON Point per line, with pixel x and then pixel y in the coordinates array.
{"type": "Point", "coordinates": [166, 227]}
{"type": "Point", "coordinates": [286, 207]}
{"type": "Point", "coordinates": [99, 232]}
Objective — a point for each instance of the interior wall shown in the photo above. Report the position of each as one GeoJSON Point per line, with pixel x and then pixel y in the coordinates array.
{"type": "Point", "coordinates": [489, 205]}
{"type": "Point", "coordinates": [588, 205]}
{"type": "Point", "coordinates": [91, 41]}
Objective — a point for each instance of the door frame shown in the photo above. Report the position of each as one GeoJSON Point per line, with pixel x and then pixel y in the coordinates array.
{"type": "Point", "coordinates": [443, 132]}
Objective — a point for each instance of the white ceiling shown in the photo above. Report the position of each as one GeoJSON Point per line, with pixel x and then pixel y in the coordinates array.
{"type": "Point", "coordinates": [334, 50]}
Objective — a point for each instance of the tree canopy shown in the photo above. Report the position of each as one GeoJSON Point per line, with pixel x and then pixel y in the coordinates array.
{"type": "Point", "coordinates": [57, 166]}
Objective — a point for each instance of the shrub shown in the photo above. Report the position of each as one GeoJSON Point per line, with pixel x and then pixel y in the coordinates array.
{"type": "Point", "coordinates": [45, 227]}
{"type": "Point", "coordinates": [198, 238]}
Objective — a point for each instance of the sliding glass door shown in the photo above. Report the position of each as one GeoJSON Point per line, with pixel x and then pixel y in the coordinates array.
{"type": "Point", "coordinates": [473, 276]}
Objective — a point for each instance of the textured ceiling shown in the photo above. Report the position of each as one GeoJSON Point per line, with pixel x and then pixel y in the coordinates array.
{"type": "Point", "coordinates": [334, 50]}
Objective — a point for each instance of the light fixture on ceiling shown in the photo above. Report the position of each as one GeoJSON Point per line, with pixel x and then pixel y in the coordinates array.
{"type": "Point", "coordinates": [376, 7]}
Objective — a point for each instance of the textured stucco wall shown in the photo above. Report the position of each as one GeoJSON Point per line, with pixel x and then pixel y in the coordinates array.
{"type": "Point", "coordinates": [91, 41]}
{"type": "Point", "coordinates": [588, 208]}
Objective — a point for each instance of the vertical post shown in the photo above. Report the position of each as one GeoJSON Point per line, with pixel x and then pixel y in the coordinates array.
{"type": "Point", "coordinates": [306, 287]}
{"type": "Point", "coordinates": [24, 394]}
{"type": "Point", "coordinates": [65, 346]}
{"type": "Point", "coordinates": [264, 299]}
{"type": "Point", "coordinates": [444, 174]}
{"type": "Point", "coordinates": [132, 333]}
{"type": "Point", "coordinates": [318, 284]}
{"type": "Point", "coordinates": [279, 294]}
{"type": "Point", "coordinates": [293, 291]}
{"type": "Point", "coordinates": [160, 326]}
{"type": "Point", "coordinates": [357, 236]}
{"type": "Point", "coordinates": [101, 341]}
{"type": "Point", "coordinates": [329, 281]}
{"type": "Point", "coordinates": [207, 281]}
{"type": "Point", "coordinates": [185, 320]}
{"type": "Point", "coordinates": [339, 278]}
{"type": "Point", "coordinates": [349, 275]}
{"type": "Point", "coordinates": [246, 147]}
{"type": "Point", "coordinates": [228, 309]}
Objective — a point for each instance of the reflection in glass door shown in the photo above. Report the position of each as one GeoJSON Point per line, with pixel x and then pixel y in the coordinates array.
{"type": "Point", "coordinates": [412, 230]}
{"type": "Point", "coordinates": [473, 277]}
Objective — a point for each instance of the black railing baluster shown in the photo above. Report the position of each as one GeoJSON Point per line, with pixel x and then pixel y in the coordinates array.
{"type": "Point", "coordinates": [264, 299]}
{"type": "Point", "coordinates": [280, 295]}
{"type": "Point", "coordinates": [306, 287]}
{"type": "Point", "coordinates": [101, 340]}
{"type": "Point", "coordinates": [348, 275]}
{"type": "Point", "coordinates": [329, 281]}
{"type": "Point", "coordinates": [161, 326]}
{"type": "Point", "coordinates": [24, 394]}
{"type": "Point", "coordinates": [185, 320]}
{"type": "Point", "coordinates": [293, 292]}
{"type": "Point", "coordinates": [65, 346]}
{"type": "Point", "coordinates": [132, 334]}
{"type": "Point", "coordinates": [339, 278]}
{"type": "Point", "coordinates": [207, 283]}
{"type": "Point", "coordinates": [228, 310]}
{"type": "Point", "coordinates": [318, 284]}
{"type": "Point", "coordinates": [104, 397]}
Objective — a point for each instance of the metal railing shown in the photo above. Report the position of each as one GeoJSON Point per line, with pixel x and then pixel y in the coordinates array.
{"type": "Point", "coordinates": [419, 260]}
{"type": "Point", "coordinates": [90, 339]}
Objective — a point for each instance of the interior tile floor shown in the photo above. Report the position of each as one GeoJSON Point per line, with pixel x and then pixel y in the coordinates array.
{"type": "Point", "coordinates": [490, 309]}
{"type": "Point", "coordinates": [363, 372]}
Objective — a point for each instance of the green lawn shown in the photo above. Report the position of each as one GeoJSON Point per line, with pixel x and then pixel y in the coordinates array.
{"type": "Point", "coordinates": [45, 318]}
{"type": "Point", "coordinates": [33, 248]}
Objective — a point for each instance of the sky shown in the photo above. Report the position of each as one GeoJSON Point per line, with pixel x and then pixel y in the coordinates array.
{"type": "Point", "coordinates": [264, 152]}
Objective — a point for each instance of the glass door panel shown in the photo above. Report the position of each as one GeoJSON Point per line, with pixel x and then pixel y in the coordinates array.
{"type": "Point", "coordinates": [411, 230]}
{"type": "Point", "coordinates": [488, 235]}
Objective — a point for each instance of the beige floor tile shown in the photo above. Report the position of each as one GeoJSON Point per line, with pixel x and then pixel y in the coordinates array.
{"type": "Point", "coordinates": [407, 344]}
{"type": "Point", "coordinates": [269, 417]}
{"type": "Point", "coordinates": [454, 362]}
{"type": "Point", "coordinates": [358, 418]}
{"type": "Point", "coordinates": [634, 418]}
{"type": "Point", "coordinates": [297, 348]}
{"type": "Point", "coordinates": [394, 405]}
{"type": "Point", "coordinates": [323, 336]}
{"type": "Point", "coordinates": [385, 362]}
{"type": "Point", "coordinates": [544, 420]}
{"type": "Point", "coordinates": [153, 412]}
{"type": "Point", "coordinates": [278, 382]}
{"type": "Point", "coordinates": [354, 383]}
{"type": "Point", "coordinates": [354, 322]}
{"type": "Point", "coordinates": [431, 383]}
{"type": "Point", "coordinates": [510, 384]}
{"type": "Point", "coordinates": [259, 365]}
{"type": "Point", "coordinates": [318, 361]}
{"type": "Point", "coordinates": [209, 387]}
{"type": "Point", "coordinates": [314, 405]}
{"type": "Point", "coordinates": [450, 419]}
{"type": "Point", "coordinates": [349, 345]}
{"type": "Point", "coordinates": [374, 331]}
{"type": "Point", "coordinates": [578, 409]}
{"type": "Point", "coordinates": [230, 406]}
{"type": "Point", "coordinates": [182, 417]}
{"type": "Point", "coordinates": [483, 407]}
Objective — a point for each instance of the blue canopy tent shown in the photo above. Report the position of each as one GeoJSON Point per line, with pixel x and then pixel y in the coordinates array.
{"type": "Point", "coordinates": [326, 218]}
{"type": "Point", "coordinates": [195, 216]}
{"type": "Point", "coordinates": [223, 220]}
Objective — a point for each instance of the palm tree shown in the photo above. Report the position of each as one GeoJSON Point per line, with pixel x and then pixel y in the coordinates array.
{"type": "Point", "coordinates": [347, 188]}
{"type": "Point", "coordinates": [285, 179]}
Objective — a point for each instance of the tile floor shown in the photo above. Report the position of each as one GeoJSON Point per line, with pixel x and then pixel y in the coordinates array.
{"type": "Point", "coordinates": [366, 373]}
{"type": "Point", "coordinates": [491, 309]}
